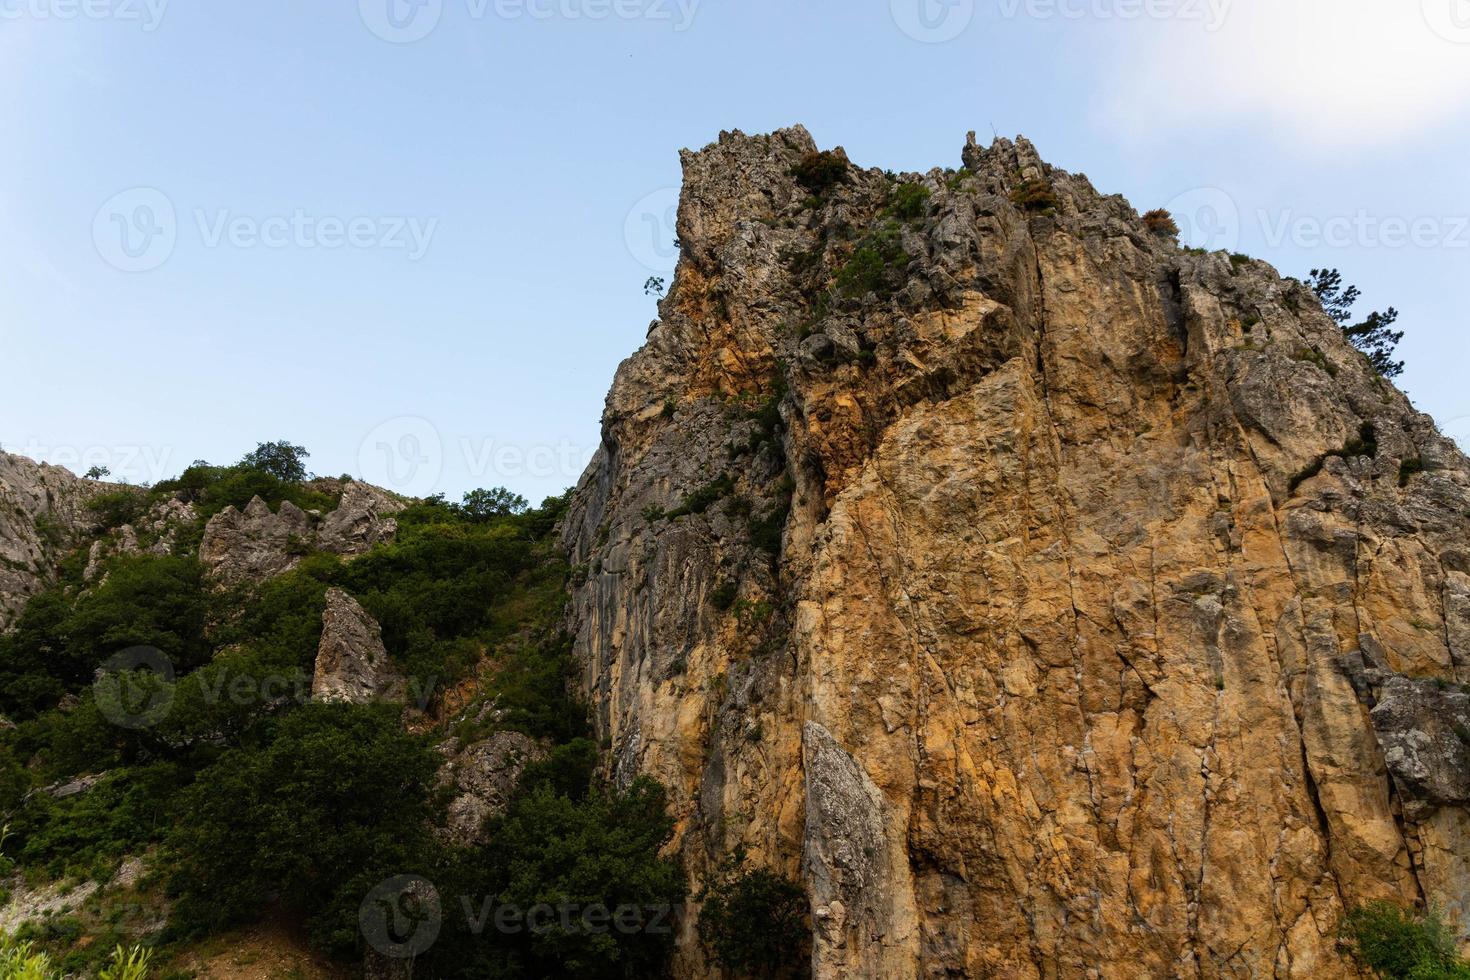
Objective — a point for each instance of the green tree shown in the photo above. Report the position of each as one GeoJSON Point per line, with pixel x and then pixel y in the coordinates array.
{"type": "Point", "coordinates": [754, 922]}
{"type": "Point", "coordinates": [337, 800]}
{"type": "Point", "coordinates": [281, 460]}
{"type": "Point", "coordinates": [483, 505]}
{"type": "Point", "coordinates": [1373, 336]}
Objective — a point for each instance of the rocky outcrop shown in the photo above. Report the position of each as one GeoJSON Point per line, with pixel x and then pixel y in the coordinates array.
{"type": "Point", "coordinates": [250, 546]}
{"type": "Point", "coordinates": [1052, 600]}
{"type": "Point", "coordinates": [352, 664]}
{"type": "Point", "coordinates": [482, 778]}
{"type": "Point", "coordinates": [43, 515]}
{"type": "Point", "coordinates": [159, 528]}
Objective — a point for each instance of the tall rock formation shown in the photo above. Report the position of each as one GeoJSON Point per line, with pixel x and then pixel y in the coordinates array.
{"type": "Point", "coordinates": [1051, 600]}
{"type": "Point", "coordinates": [43, 514]}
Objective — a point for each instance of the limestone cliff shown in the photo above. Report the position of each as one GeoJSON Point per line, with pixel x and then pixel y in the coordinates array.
{"type": "Point", "coordinates": [1051, 600]}
{"type": "Point", "coordinates": [43, 514]}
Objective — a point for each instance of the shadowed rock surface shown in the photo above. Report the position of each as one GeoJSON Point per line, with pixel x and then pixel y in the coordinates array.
{"type": "Point", "coordinates": [1023, 582]}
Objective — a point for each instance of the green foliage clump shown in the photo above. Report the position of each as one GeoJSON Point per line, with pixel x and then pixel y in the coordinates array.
{"type": "Point", "coordinates": [61, 638]}
{"type": "Point", "coordinates": [873, 267]}
{"type": "Point", "coordinates": [754, 922]}
{"type": "Point", "coordinates": [819, 172]}
{"type": "Point", "coordinates": [1408, 469]}
{"type": "Point", "coordinates": [910, 202]}
{"type": "Point", "coordinates": [113, 510]}
{"type": "Point", "coordinates": [1035, 195]}
{"type": "Point", "coordinates": [723, 597]}
{"type": "Point", "coordinates": [701, 499]}
{"type": "Point", "coordinates": [1396, 944]}
{"type": "Point", "coordinates": [335, 802]}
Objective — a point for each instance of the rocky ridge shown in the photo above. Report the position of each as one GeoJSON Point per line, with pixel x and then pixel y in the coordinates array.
{"type": "Point", "coordinates": [1050, 599]}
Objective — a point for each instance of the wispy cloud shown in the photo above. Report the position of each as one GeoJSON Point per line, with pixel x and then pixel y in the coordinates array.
{"type": "Point", "coordinates": [1328, 74]}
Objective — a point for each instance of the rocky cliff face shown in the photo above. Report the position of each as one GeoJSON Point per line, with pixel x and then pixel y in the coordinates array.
{"type": "Point", "coordinates": [43, 514]}
{"type": "Point", "coordinates": [1050, 600]}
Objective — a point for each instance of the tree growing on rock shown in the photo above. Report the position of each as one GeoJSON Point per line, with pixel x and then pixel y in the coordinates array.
{"type": "Point", "coordinates": [1373, 336]}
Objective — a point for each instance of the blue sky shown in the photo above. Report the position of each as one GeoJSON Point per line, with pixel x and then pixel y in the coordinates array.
{"type": "Point", "coordinates": [413, 238]}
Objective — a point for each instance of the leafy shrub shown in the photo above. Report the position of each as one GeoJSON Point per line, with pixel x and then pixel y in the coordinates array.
{"type": "Point", "coordinates": [1398, 945]}
{"type": "Point", "coordinates": [61, 639]}
{"type": "Point", "coordinates": [113, 510]}
{"type": "Point", "coordinates": [338, 796]}
{"type": "Point", "coordinates": [754, 922]}
{"type": "Point", "coordinates": [723, 597]}
{"type": "Point", "coordinates": [910, 202]}
{"type": "Point", "coordinates": [819, 172]}
{"type": "Point", "coordinates": [1408, 469]}
{"type": "Point", "coordinates": [1161, 222]}
{"type": "Point", "coordinates": [700, 500]}
{"type": "Point", "coordinates": [1035, 195]}
{"type": "Point", "coordinates": [604, 850]}
{"type": "Point", "coordinates": [871, 266]}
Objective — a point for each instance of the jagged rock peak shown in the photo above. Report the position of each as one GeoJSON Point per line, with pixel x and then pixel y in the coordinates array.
{"type": "Point", "coordinates": [1065, 564]}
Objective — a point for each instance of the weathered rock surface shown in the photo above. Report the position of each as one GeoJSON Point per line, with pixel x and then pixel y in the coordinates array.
{"type": "Point", "coordinates": [160, 527]}
{"type": "Point", "coordinates": [43, 514]}
{"type": "Point", "coordinates": [250, 546]}
{"type": "Point", "coordinates": [1068, 570]}
{"type": "Point", "coordinates": [352, 664]}
{"type": "Point", "coordinates": [483, 777]}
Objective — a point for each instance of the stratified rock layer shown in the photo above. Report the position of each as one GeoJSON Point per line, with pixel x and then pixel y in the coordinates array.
{"type": "Point", "coordinates": [1099, 556]}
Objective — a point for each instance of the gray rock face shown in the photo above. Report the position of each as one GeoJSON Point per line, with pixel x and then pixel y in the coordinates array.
{"type": "Point", "coordinates": [254, 545]}
{"type": "Point", "coordinates": [160, 527]}
{"type": "Point", "coordinates": [1424, 729]}
{"type": "Point", "coordinates": [484, 776]}
{"type": "Point", "coordinates": [43, 514]}
{"type": "Point", "coordinates": [351, 662]}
